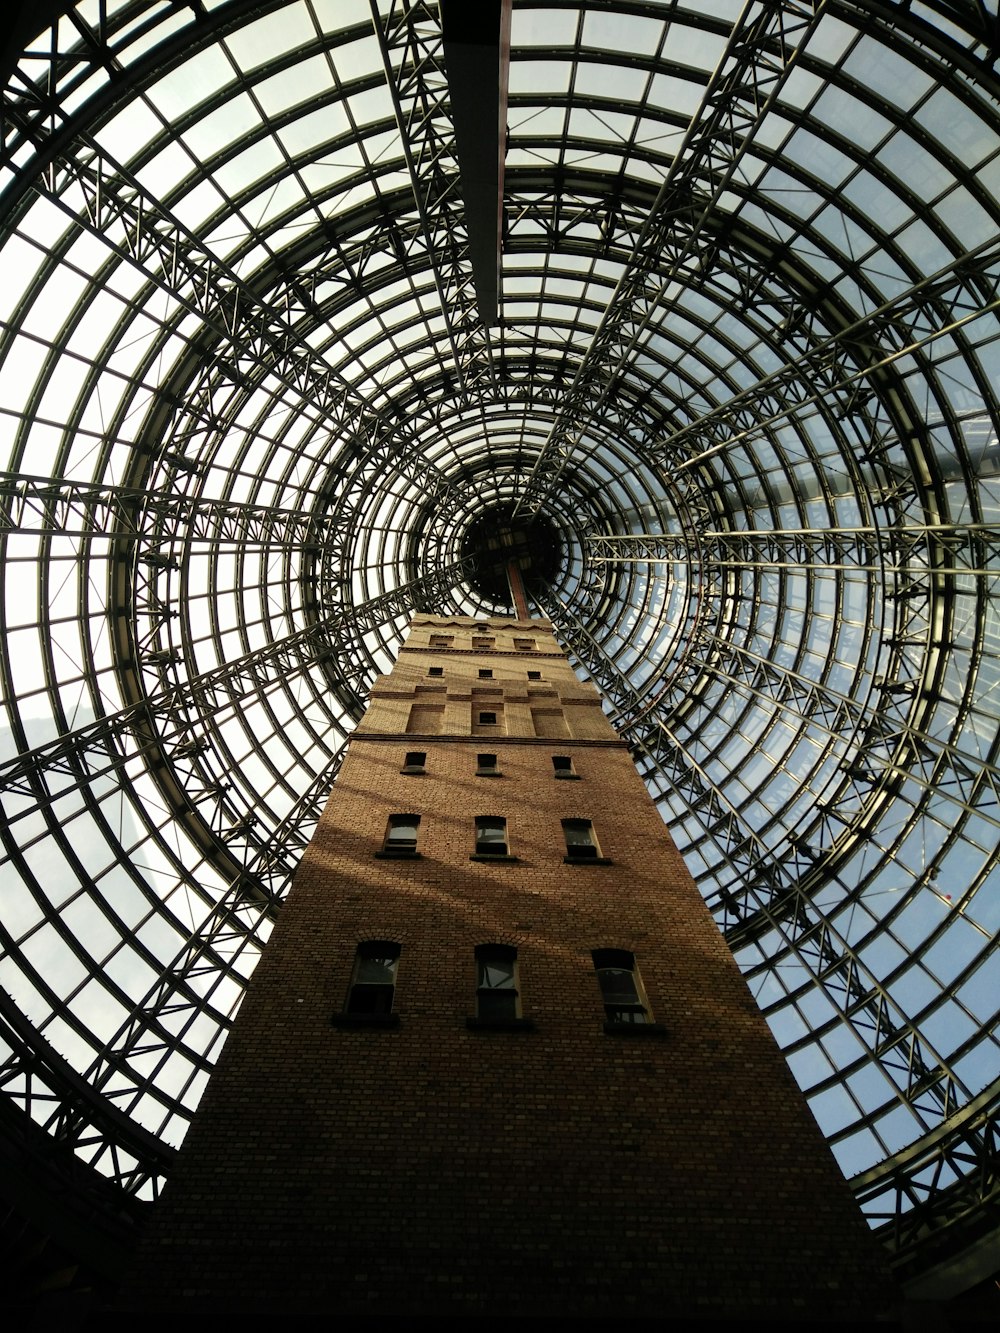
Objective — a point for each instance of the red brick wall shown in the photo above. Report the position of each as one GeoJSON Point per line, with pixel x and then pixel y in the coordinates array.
{"type": "Point", "coordinates": [431, 1166]}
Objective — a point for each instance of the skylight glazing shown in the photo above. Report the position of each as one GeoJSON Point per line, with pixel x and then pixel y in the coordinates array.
{"type": "Point", "coordinates": [246, 419]}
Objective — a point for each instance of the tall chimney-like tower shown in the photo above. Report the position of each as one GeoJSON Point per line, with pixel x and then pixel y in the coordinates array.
{"type": "Point", "coordinates": [497, 1058]}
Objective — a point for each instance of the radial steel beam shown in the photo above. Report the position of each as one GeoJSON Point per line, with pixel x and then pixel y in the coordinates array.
{"type": "Point", "coordinates": [971, 548]}
{"type": "Point", "coordinates": [842, 364]}
{"type": "Point", "coordinates": [759, 56]}
{"type": "Point", "coordinates": [175, 713]}
{"type": "Point", "coordinates": [251, 337]}
{"type": "Point", "coordinates": [52, 507]}
{"type": "Point", "coordinates": [412, 40]}
{"type": "Point", "coordinates": [784, 899]}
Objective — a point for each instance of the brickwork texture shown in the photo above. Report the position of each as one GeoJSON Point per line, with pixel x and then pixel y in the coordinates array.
{"type": "Point", "coordinates": [555, 1165]}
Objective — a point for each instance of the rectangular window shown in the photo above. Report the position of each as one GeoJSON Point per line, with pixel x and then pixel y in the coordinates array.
{"type": "Point", "coordinates": [486, 766]}
{"type": "Point", "coordinates": [524, 645]}
{"type": "Point", "coordinates": [580, 842]}
{"type": "Point", "coordinates": [401, 835]}
{"type": "Point", "coordinates": [491, 836]}
{"type": "Point", "coordinates": [442, 640]}
{"type": "Point", "coordinates": [562, 766]}
{"type": "Point", "coordinates": [488, 720]}
{"type": "Point", "coordinates": [414, 761]}
{"type": "Point", "coordinates": [496, 982]}
{"type": "Point", "coordinates": [373, 983]}
{"type": "Point", "coordinates": [485, 673]}
{"type": "Point", "coordinates": [621, 988]}
{"type": "Point", "coordinates": [534, 675]}
{"type": "Point", "coordinates": [435, 671]}
{"type": "Point", "coordinates": [482, 643]}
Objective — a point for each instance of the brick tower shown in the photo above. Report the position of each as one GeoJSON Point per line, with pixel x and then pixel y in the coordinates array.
{"type": "Point", "coordinates": [497, 1058]}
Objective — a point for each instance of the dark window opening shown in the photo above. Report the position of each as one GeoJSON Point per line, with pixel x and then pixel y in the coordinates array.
{"type": "Point", "coordinates": [487, 719]}
{"type": "Point", "coordinates": [485, 673]}
{"type": "Point", "coordinates": [435, 671]}
{"type": "Point", "coordinates": [373, 983]}
{"type": "Point", "coordinates": [414, 762]}
{"type": "Point", "coordinates": [534, 675]}
{"type": "Point", "coordinates": [496, 982]}
{"type": "Point", "coordinates": [562, 766]}
{"type": "Point", "coordinates": [401, 835]}
{"type": "Point", "coordinates": [620, 986]}
{"type": "Point", "coordinates": [580, 842]}
{"type": "Point", "coordinates": [491, 836]}
{"type": "Point", "coordinates": [486, 765]}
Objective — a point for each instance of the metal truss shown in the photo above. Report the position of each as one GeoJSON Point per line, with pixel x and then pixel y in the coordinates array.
{"type": "Point", "coordinates": [782, 891]}
{"type": "Point", "coordinates": [171, 729]}
{"type": "Point", "coordinates": [938, 548]}
{"type": "Point", "coordinates": [253, 336]}
{"type": "Point", "coordinates": [46, 506]}
{"type": "Point", "coordinates": [412, 44]}
{"type": "Point", "coordinates": [846, 366]}
{"type": "Point", "coordinates": [947, 1184]}
{"type": "Point", "coordinates": [762, 48]}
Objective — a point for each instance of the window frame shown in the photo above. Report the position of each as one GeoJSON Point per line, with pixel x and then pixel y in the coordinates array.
{"type": "Point", "coordinates": [482, 845]}
{"type": "Point", "coordinates": [397, 847]}
{"type": "Point", "coordinates": [591, 856]}
{"type": "Point", "coordinates": [371, 1002]}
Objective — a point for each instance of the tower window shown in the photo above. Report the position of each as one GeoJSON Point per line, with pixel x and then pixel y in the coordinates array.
{"type": "Point", "coordinates": [485, 673]}
{"type": "Point", "coordinates": [496, 982]}
{"type": "Point", "coordinates": [482, 643]}
{"type": "Point", "coordinates": [435, 671]}
{"type": "Point", "coordinates": [401, 835]}
{"type": "Point", "coordinates": [486, 766]}
{"type": "Point", "coordinates": [581, 845]}
{"type": "Point", "coordinates": [534, 675]}
{"type": "Point", "coordinates": [442, 640]}
{"type": "Point", "coordinates": [524, 645]}
{"type": "Point", "coordinates": [414, 761]}
{"type": "Point", "coordinates": [562, 766]}
{"type": "Point", "coordinates": [373, 982]}
{"type": "Point", "coordinates": [621, 988]}
{"type": "Point", "coordinates": [491, 836]}
{"type": "Point", "coordinates": [487, 719]}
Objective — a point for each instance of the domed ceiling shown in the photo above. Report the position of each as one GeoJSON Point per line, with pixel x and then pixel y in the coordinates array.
{"type": "Point", "coordinates": [737, 411]}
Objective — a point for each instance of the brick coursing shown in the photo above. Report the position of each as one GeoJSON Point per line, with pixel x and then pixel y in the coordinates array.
{"type": "Point", "coordinates": [436, 1168]}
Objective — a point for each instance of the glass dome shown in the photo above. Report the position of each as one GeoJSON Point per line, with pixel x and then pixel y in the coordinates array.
{"type": "Point", "coordinates": [740, 401]}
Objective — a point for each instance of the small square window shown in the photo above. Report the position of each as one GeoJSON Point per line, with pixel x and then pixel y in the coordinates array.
{"type": "Point", "coordinates": [435, 671]}
{"type": "Point", "coordinates": [534, 675]}
{"type": "Point", "coordinates": [491, 836]}
{"type": "Point", "coordinates": [414, 761]}
{"type": "Point", "coordinates": [487, 719]}
{"type": "Point", "coordinates": [562, 766]}
{"type": "Point", "coordinates": [486, 766]}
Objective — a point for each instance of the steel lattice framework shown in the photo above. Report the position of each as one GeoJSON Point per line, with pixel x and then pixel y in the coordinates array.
{"type": "Point", "coordinates": [746, 370]}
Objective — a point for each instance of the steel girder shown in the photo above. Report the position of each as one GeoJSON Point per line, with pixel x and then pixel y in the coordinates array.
{"type": "Point", "coordinates": [759, 55]}
{"type": "Point", "coordinates": [841, 365]}
{"type": "Point", "coordinates": [54, 507]}
{"type": "Point", "coordinates": [912, 548]}
{"type": "Point", "coordinates": [412, 44]}
{"type": "Point", "coordinates": [782, 891]}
